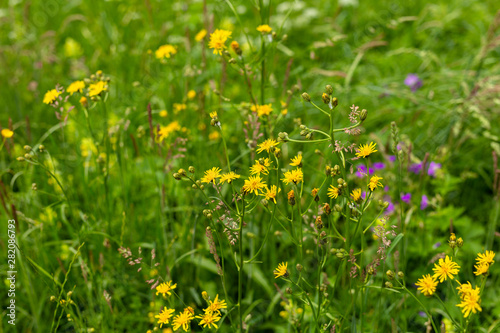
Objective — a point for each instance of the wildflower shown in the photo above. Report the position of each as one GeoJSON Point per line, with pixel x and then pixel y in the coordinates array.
{"type": "Point", "coordinates": [262, 110]}
{"type": "Point", "coordinates": [293, 176]}
{"type": "Point", "coordinates": [486, 258]}
{"type": "Point", "coordinates": [415, 168]}
{"type": "Point", "coordinates": [271, 193]}
{"type": "Point", "coordinates": [191, 94]}
{"type": "Point", "coordinates": [213, 115]}
{"type": "Point", "coordinates": [228, 177]}
{"type": "Point", "coordinates": [164, 316]}
{"type": "Point", "coordinates": [200, 35]}
{"type": "Point", "coordinates": [216, 305]}
{"type": "Point", "coordinates": [470, 302]}
{"type": "Point", "coordinates": [208, 319]}
{"type": "Point", "coordinates": [96, 89]}
{"type": "Point", "coordinates": [267, 145]}
{"type": "Point", "coordinates": [433, 168]}
{"type": "Point", "coordinates": [424, 203]}
{"type": "Point", "coordinates": [83, 101]}
{"type": "Point", "coordinates": [163, 113]}
{"type": "Point", "coordinates": [427, 285]}
{"type": "Point", "coordinates": [182, 319]}
{"type": "Point", "coordinates": [363, 171]}
{"type": "Point", "coordinates": [211, 175]}
{"type": "Point", "coordinates": [464, 289]}
{"type": "Point", "coordinates": [7, 133]}
{"type": "Point", "coordinates": [50, 96]}
{"type": "Point", "coordinates": [281, 271]}
{"type": "Point", "coordinates": [481, 269]}
{"type": "Point", "coordinates": [218, 39]}
{"type": "Point", "coordinates": [165, 131]}
{"type": "Point", "coordinates": [445, 269]}
{"type": "Point", "coordinates": [214, 136]}
{"type": "Point", "coordinates": [76, 86]}
{"type": "Point", "coordinates": [406, 197]}
{"type": "Point", "coordinates": [253, 184]}
{"type": "Point", "coordinates": [205, 296]}
{"type": "Point", "coordinates": [291, 197]}
{"type": "Point", "coordinates": [378, 166]}
{"type": "Point", "coordinates": [297, 161]}
{"type": "Point", "coordinates": [264, 28]}
{"type": "Point", "coordinates": [356, 194]}
{"type": "Point", "coordinates": [366, 150]}
{"type": "Point", "coordinates": [374, 182]}
{"type": "Point", "coordinates": [333, 192]}
{"type": "Point", "coordinates": [165, 288]}
{"type": "Point", "coordinates": [165, 51]}
{"type": "Point", "coordinates": [236, 47]}
{"type": "Point", "coordinates": [178, 107]}
{"type": "Point", "coordinates": [259, 167]}
{"type": "Point", "coordinates": [413, 82]}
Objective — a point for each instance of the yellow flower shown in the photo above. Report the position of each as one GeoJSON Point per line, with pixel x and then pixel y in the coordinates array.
{"type": "Point", "coordinates": [165, 51]}
{"type": "Point", "coordinates": [374, 182]}
{"type": "Point", "coordinates": [84, 101]}
{"type": "Point", "coordinates": [164, 316]}
{"type": "Point", "coordinates": [97, 88]}
{"type": "Point", "coordinates": [267, 145]}
{"type": "Point", "coordinates": [464, 289]}
{"type": "Point", "coordinates": [165, 288]}
{"type": "Point", "coordinates": [178, 107]}
{"type": "Point", "coordinates": [182, 319]}
{"type": "Point", "coordinates": [486, 258]}
{"type": "Point", "coordinates": [211, 175]}
{"type": "Point", "coordinates": [191, 94]}
{"type": "Point", "coordinates": [235, 45]}
{"type": "Point", "coordinates": [470, 302]}
{"type": "Point", "coordinates": [281, 271]}
{"type": "Point", "coordinates": [445, 269]}
{"type": "Point", "coordinates": [208, 319]}
{"type": "Point", "coordinates": [481, 269]}
{"type": "Point", "coordinates": [366, 150]}
{"type": "Point", "coordinates": [271, 193]}
{"type": "Point", "coordinates": [165, 131]}
{"type": "Point", "coordinates": [297, 161]}
{"type": "Point", "coordinates": [333, 192]}
{"type": "Point", "coordinates": [163, 113]}
{"type": "Point", "coordinates": [76, 86]}
{"type": "Point", "coordinates": [258, 168]}
{"type": "Point", "coordinates": [213, 114]}
{"type": "Point", "coordinates": [253, 184]}
{"type": "Point", "coordinates": [50, 96]}
{"type": "Point", "coordinates": [314, 192]}
{"type": "Point", "coordinates": [214, 135]}
{"type": "Point", "coordinates": [216, 305]}
{"type": "Point", "coordinates": [427, 285]}
{"type": "Point", "coordinates": [293, 176]}
{"type": "Point", "coordinates": [218, 39]}
{"type": "Point", "coordinates": [7, 133]}
{"type": "Point", "coordinates": [264, 28]}
{"type": "Point", "coordinates": [200, 35]}
{"type": "Point", "coordinates": [356, 194]}
{"type": "Point", "coordinates": [228, 177]}
{"type": "Point", "coordinates": [262, 110]}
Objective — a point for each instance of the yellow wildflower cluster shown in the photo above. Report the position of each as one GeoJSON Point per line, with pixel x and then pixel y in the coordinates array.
{"type": "Point", "coordinates": [165, 51]}
{"type": "Point", "coordinates": [262, 110]}
{"type": "Point", "coordinates": [218, 40]}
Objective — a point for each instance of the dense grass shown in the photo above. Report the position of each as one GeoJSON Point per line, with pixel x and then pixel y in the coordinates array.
{"type": "Point", "coordinates": [89, 193]}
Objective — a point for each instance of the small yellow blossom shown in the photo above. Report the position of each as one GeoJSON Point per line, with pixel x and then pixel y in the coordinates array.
{"type": "Point", "coordinates": [470, 302]}
{"type": "Point", "coordinates": [76, 86]}
{"type": "Point", "coordinates": [262, 110]}
{"type": "Point", "coordinates": [297, 161]}
{"type": "Point", "coordinates": [96, 89]}
{"type": "Point", "coordinates": [464, 289]}
{"type": "Point", "coordinates": [179, 107]}
{"type": "Point", "coordinates": [486, 258]}
{"type": "Point", "coordinates": [216, 305]}
{"type": "Point", "coordinates": [209, 319]}
{"type": "Point", "coordinates": [281, 271]}
{"type": "Point", "coordinates": [165, 131]}
{"type": "Point", "coordinates": [165, 288]}
{"type": "Point", "coordinates": [182, 319]}
{"type": "Point", "coordinates": [366, 150]}
{"type": "Point", "coordinates": [213, 115]}
{"type": "Point", "coordinates": [191, 94]}
{"type": "Point", "coordinates": [264, 28]}
{"type": "Point", "coordinates": [427, 285]}
{"type": "Point", "coordinates": [374, 182]}
{"type": "Point", "coordinates": [481, 269]}
{"type": "Point", "coordinates": [333, 192]}
{"type": "Point", "coordinates": [84, 102]}
{"type": "Point", "coordinates": [163, 113]}
{"type": "Point", "coordinates": [165, 51]}
{"type": "Point", "coordinates": [235, 45]}
{"type": "Point", "coordinates": [293, 176]}
{"type": "Point", "coordinates": [211, 175]}
{"type": "Point", "coordinates": [445, 269]}
{"type": "Point", "coordinates": [7, 133]}
{"type": "Point", "coordinates": [214, 135]}
{"type": "Point", "coordinates": [164, 316]}
{"type": "Point", "coordinates": [50, 96]}
{"type": "Point", "coordinates": [267, 145]}
{"type": "Point", "coordinates": [271, 193]}
{"type": "Point", "coordinates": [253, 184]}
{"type": "Point", "coordinates": [228, 177]}
{"type": "Point", "coordinates": [356, 194]}
{"type": "Point", "coordinates": [259, 168]}
{"type": "Point", "coordinates": [218, 40]}
{"type": "Point", "coordinates": [200, 35]}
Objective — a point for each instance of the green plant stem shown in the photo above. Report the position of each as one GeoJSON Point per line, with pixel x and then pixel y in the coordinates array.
{"type": "Point", "coordinates": [422, 305]}
{"type": "Point", "coordinates": [240, 269]}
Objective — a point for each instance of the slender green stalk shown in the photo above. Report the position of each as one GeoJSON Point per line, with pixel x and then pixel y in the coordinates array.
{"type": "Point", "coordinates": [240, 269]}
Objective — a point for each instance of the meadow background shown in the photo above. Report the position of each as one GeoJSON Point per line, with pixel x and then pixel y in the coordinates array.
{"type": "Point", "coordinates": [364, 49]}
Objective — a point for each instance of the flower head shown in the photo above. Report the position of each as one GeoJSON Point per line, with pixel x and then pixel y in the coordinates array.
{"type": "Point", "coordinates": [356, 194]}
{"type": "Point", "coordinates": [413, 82]}
{"type": "Point", "coordinates": [165, 51]}
{"type": "Point", "coordinates": [50, 96]}
{"type": "Point", "coordinates": [486, 258]}
{"type": "Point", "coordinates": [293, 176]}
{"type": "Point", "coordinates": [297, 161]}
{"type": "Point", "coordinates": [481, 269]}
{"type": "Point", "coordinates": [182, 319]}
{"type": "Point", "coordinates": [164, 316]}
{"type": "Point", "coordinates": [191, 94]}
{"type": "Point", "coordinates": [96, 89]}
{"type": "Point", "coordinates": [271, 193]}
{"type": "Point", "coordinates": [200, 35]}
{"type": "Point", "coordinates": [333, 192]}
{"type": "Point", "coordinates": [211, 175]}
{"type": "Point", "coordinates": [259, 167]}
{"type": "Point", "coordinates": [281, 271]}
{"type": "Point", "coordinates": [216, 305]}
{"type": "Point", "coordinates": [267, 145]}
{"type": "Point", "coordinates": [445, 269]}
{"type": "Point", "coordinates": [209, 319]}
{"type": "Point", "coordinates": [366, 150]}
{"type": "Point", "coordinates": [253, 184]}
{"type": "Point", "coordinates": [470, 301]}
{"type": "Point", "coordinates": [218, 40]}
{"type": "Point", "coordinates": [165, 131]}
{"type": "Point", "coordinates": [262, 110]}
{"type": "Point", "coordinates": [424, 203]}
{"type": "Point", "coordinates": [374, 182]}
{"type": "Point", "coordinates": [228, 177]}
{"type": "Point", "coordinates": [264, 28]}
{"type": "Point", "coordinates": [165, 288]}
{"type": "Point", "coordinates": [76, 86]}
{"type": "Point", "coordinates": [427, 285]}
{"type": "Point", "coordinates": [7, 133]}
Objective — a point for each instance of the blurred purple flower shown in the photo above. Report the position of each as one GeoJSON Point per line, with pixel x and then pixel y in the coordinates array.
{"type": "Point", "coordinates": [438, 244]}
{"type": "Point", "coordinates": [415, 168]}
{"type": "Point", "coordinates": [378, 166]}
{"type": "Point", "coordinates": [406, 197]}
{"type": "Point", "coordinates": [413, 82]}
{"type": "Point", "coordinates": [389, 208]}
{"type": "Point", "coordinates": [433, 167]}
{"type": "Point", "coordinates": [386, 189]}
{"type": "Point", "coordinates": [363, 195]}
{"type": "Point", "coordinates": [362, 171]}
{"type": "Point", "coordinates": [424, 203]}
{"type": "Point", "coordinates": [392, 158]}
{"type": "Point", "coordinates": [422, 314]}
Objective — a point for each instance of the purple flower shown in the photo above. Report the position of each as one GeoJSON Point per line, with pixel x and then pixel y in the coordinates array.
{"type": "Point", "coordinates": [386, 188]}
{"type": "Point", "coordinates": [433, 167]}
{"type": "Point", "coordinates": [392, 158]}
{"type": "Point", "coordinates": [422, 314]}
{"type": "Point", "coordinates": [415, 168]}
{"type": "Point", "coordinates": [413, 82]}
{"type": "Point", "coordinates": [363, 195]}
{"type": "Point", "coordinates": [438, 244]}
{"type": "Point", "coordinates": [362, 171]}
{"type": "Point", "coordinates": [424, 203]}
{"type": "Point", "coordinates": [406, 197]}
{"type": "Point", "coordinates": [389, 208]}
{"type": "Point", "coordinates": [378, 166]}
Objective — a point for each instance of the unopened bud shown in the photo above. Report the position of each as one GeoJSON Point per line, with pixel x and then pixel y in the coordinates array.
{"type": "Point", "coordinates": [205, 296]}
{"type": "Point", "coordinates": [329, 89]}
{"type": "Point", "coordinates": [306, 97]}
{"type": "Point", "coordinates": [388, 284]}
{"type": "Point", "coordinates": [27, 148]}
{"type": "Point", "coordinates": [390, 274]}
{"type": "Point", "coordinates": [363, 115]}
{"type": "Point", "coordinates": [326, 98]}
{"type": "Point", "coordinates": [191, 169]}
{"type": "Point", "coordinates": [401, 275]}
{"type": "Point", "coordinates": [460, 242]}
{"type": "Point", "coordinates": [177, 176]}
{"type": "Point", "coordinates": [299, 267]}
{"type": "Point", "coordinates": [335, 102]}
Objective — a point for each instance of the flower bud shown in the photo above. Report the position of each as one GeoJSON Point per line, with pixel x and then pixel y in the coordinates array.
{"type": "Point", "coordinates": [460, 242]}
{"type": "Point", "coordinates": [388, 284]}
{"type": "Point", "coordinates": [401, 275]}
{"type": "Point", "coordinates": [337, 208]}
{"type": "Point", "coordinates": [363, 115]}
{"type": "Point", "coordinates": [20, 159]}
{"type": "Point", "coordinates": [27, 148]}
{"type": "Point", "coordinates": [318, 223]}
{"type": "Point", "coordinates": [182, 172]}
{"type": "Point", "coordinates": [335, 102]}
{"type": "Point", "coordinates": [264, 202]}
{"type": "Point", "coordinates": [299, 267]}
{"type": "Point", "coordinates": [177, 176]}
{"type": "Point", "coordinates": [306, 97]}
{"type": "Point", "coordinates": [288, 290]}
{"type": "Point", "coordinates": [326, 209]}
{"type": "Point", "coordinates": [390, 274]}
{"type": "Point", "coordinates": [52, 298]}
{"type": "Point", "coordinates": [329, 89]}
{"type": "Point", "coordinates": [277, 152]}
{"type": "Point", "coordinates": [41, 148]}
{"type": "Point", "coordinates": [205, 296]}
{"type": "Point", "coordinates": [326, 98]}
{"type": "Point", "coordinates": [191, 169]}
{"type": "Point", "coordinates": [291, 198]}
